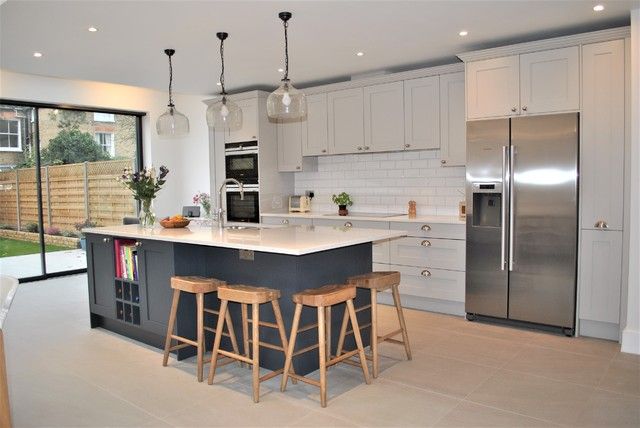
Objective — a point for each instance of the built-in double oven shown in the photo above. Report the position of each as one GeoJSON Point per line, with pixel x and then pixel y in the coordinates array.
{"type": "Point", "coordinates": [241, 163]}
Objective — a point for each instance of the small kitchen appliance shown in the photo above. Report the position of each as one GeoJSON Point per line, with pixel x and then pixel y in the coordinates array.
{"type": "Point", "coordinates": [299, 204]}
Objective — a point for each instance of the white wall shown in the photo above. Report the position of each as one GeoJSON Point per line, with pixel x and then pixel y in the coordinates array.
{"type": "Point", "coordinates": [187, 158]}
{"type": "Point", "coordinates": [386, 182]}
{"type": "Point", "coordinates": [631, 332]}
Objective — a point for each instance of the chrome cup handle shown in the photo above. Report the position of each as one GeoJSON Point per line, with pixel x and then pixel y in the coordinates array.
{"type": "Point", "coordinates": [601, 224]}
{"type": "Point", "coordinates": [425, 273]}
{"type": "Point", "coordinates": [426, 243]}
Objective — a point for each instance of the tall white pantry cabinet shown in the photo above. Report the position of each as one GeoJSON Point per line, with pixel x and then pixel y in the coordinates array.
{"type": "Point", "coordinates": [585, 73]}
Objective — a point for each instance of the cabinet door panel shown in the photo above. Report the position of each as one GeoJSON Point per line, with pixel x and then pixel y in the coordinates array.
{"type": "Point", "coordinates": [602, 150]}
{"type": "Point", "coordinates": [453, 128]}
{"type": "Point", "coordinates": [430, 283]}
{"type": "Point", "coordinates": [431, 230]}
{"type": "Point", "coordinates": [315, 138]}
{"type": "Point", "coordinates": [249, 129]}
{"type": "Point", "coordinates": [433, 253]}
{"type": "Point", "coordinates": [101, 275]}
{"type": "Point", "coordinates": [346, 121]}
{"type": "Point", "coordinates": [156, 266]}
{"type": "Point", "coordinates": [550, 81]}
{"type": "Point", "coordinates": [600, 275]}
{"type": "Point", "coordinates": [384, 117]}
{"type": "Point", "coordinates": [289, 145]}
{"type": "Point", "coordinates": [291, 221]}
{"type": "Point", "coordinates": [422, 113]}
{"type": "Point", "coordinates": [493, 87]}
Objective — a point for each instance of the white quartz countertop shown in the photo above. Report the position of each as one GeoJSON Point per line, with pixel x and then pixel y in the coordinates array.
{"type": "Point", "coordinates": [399, 218]}
{"type": "Point", "coordinates": [293, 240]}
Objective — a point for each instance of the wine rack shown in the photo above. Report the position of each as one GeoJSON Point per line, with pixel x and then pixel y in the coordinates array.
{"type": "Point", "coordinates": [127, 301]}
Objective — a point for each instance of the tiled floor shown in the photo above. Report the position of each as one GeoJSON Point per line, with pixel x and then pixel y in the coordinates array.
{"type": "Point", "coordinates": [462, 374]}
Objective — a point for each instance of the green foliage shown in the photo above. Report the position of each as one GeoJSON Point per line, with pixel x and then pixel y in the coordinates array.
{"type": "Point", "coordinates": [31, 227]}
{"type": "Point", "coordinates": [145, 184]}
{"type": "Point", "coordinates": [342, 199]}
{"type": "Point", "coordinates": [68, 119]}
{"type": "Point", "coordinates": [72, 146]}
{"type": "Point", "coordinates": [14, 247]}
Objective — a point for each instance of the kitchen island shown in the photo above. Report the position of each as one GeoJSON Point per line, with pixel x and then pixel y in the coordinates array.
{"type": "Point", "coordinates": [289, 259]}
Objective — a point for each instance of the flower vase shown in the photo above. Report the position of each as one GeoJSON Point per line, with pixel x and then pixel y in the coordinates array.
{"type": "Point", "coordinates": [207, 210]}
{"type": "Point", "coordinates": [147, 217]}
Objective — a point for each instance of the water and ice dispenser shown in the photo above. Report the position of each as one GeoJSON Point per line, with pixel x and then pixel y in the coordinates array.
{"type": "Point", "coordinates": [487, 203]}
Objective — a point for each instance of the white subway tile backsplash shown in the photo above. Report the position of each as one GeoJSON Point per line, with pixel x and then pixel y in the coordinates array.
{"type": "Point", "coordinates": [386, 182]}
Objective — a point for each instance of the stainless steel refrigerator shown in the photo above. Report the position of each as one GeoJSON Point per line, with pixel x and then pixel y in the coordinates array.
{"type": "Point", "coordinates": [522, 219]}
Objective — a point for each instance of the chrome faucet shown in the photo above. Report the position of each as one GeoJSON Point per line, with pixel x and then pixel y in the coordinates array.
{"type": "Point", "coordinates": [219, 211]}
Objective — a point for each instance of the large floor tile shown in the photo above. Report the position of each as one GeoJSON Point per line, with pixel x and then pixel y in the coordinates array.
{"type": "Point", "coordinates": [622, 375]}
{"type": "Point", "coordinates": [533, 396]}
{"type": "Point", "coordinates": [447, 376]}
{"type": "Point", "coordinates": [578, 345]}
{"type": "Point", "coordinates": [607, 409]}
{"type": "Point", "coordinates": [475, 349]}
{"type": "Point", "coordinates": [320, 418]}
{"type": "Point", "coordinates": [388, 404]}
{"type": "Point", "coordinates": [468, 414]}
{"type": "Point", "coordinates": [559, 365]}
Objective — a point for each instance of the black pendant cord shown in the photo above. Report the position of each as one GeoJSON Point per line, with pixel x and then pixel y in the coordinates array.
{"type": "Point", "coordinates": [286, 51]}
{"type": "Point", "coordinates": [170, 53]}
{"type": "Point", "coordinates": [224, 92]}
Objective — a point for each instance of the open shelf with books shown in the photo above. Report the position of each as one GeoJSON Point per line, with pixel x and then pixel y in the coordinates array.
{"type": "Point", "coordinates": [127, 288]}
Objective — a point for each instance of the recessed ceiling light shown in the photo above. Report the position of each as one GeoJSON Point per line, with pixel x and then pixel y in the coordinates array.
{"type": "Point", "coordinates": [463, 33]}
{"type": "Point", "coordinates": [360, 54]}
{"type": "Point", "coordinates": [92, 29]}
{"type": "Point", "coordinates": [598, 8]}
{"type": "Point", "coordinates": [219, 84]}
{"type": "Point", "coordinates": [280, 70]}
{"type": "Point", "coordinates": [37, 54]}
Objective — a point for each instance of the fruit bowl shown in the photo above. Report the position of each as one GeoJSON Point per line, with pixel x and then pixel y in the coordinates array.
{"type": "Point", "coordinates": [174, 223]}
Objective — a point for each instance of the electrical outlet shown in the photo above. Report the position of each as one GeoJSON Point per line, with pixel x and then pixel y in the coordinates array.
{"type": "Point", "coordinates": [246, 254]}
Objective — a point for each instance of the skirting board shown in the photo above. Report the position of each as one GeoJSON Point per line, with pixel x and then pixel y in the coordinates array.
{"type": "Point", "coordinates": [631, 341]}
{"type": "Point", "coordinates": [424, 304]}
{"type": "Point", "coordinates": [600, 330]}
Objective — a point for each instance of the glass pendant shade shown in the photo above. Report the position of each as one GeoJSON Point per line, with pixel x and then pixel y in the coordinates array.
{"type": "Point", "coordinates": [286, 102]}
{"type": "Point", "coordinates": [224, 114]}
{"type": "Point", "coordinates": [172, 123]}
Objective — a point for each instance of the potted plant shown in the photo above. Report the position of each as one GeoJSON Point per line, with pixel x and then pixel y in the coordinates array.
{"type": "Point", "coordinates": [342, 201]}
{"type": "Point", "coordinates": [144, 186]}
{"type": "Point", "coordinates": [204, 200]}
{"type": "Point", "coordinates": [79, 226]}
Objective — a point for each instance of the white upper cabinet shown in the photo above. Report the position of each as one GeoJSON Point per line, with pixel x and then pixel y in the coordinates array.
{"type": "Point", "coordinates": [422, 113]}
{"type": "Point", "coordinates": [549, 81]}
{"type": "Point", "coordinates": [603, 127]}
{"type": "Point", "coordinates": [249, 129]}
{"type": "Point", "coordinates": [315, 138]}
{"type": "Point", "coordinates": [600, 275]}
{"type": "Point", "coordinates": [346, 119]}
{"type": "Point", "coordinates": [383, 117]}
{"type": "Point", "coordinates": [493, 87]}
{"type": "Point", "coordinates": [453, 128]}
{"type": "Point", "coordinates": [289, 146]}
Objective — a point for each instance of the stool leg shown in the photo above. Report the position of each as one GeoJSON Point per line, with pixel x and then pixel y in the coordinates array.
{"type": "Point", "coordinates": [245, 330]}
{"type": "Point", "coordinates": [255, 336]}
{"type": "Point", "coordinates": [200, 332]}
{"type": "Point", "coordinates": [232, 335]}
{"type": "Point", "coordinates": [283, 334]}
{"type": "Point", "coordinates": [343, 331]}
{"type": "Point", "coordinates": [216, 340]}
{"type": "Point", "coordinates": [292, 345]}
{"type": "Point", "coordinates": [356, 334]}
{"type": "Point", "coordinates": [327, 314]}
{"type": "Point", "coordinates": [403, 325]}
{"type": "Point", "coordinates": [322, 347]}
{"type": "Point", "coordinates": [374, 331]}
{"type": "Point", "coordinates": [172, 321]}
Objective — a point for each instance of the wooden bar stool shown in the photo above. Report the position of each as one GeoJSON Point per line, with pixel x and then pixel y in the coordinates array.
{"type": "Point", "coordinates": [254, 296]}
{"type": "Point", "coordinates": [376, 282]}
{"type": "Point", "coordinates": [322, 298]}
{"type": "Point", "coordinates": [199, 286]}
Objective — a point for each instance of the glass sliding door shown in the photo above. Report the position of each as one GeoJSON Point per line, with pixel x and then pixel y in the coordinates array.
{"type": "Point", "coordinates": [59, 178]}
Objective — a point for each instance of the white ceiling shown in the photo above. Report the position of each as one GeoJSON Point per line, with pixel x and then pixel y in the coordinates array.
{"type": "Point", "coordinates": [324, 37]}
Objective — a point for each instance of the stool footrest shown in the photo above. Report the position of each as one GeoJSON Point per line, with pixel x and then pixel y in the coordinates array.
{"type": "Point", "coordinates": [362, 327]}
{"type": "Point", "coordinates": [265, 323]}
{"type": "Point", "coordinates": [307, 327]}
{"type": "Point", "coordinates": [307, 349]}
{"type": "Point", "coordinates": [180, 346]}
{"type": "Point", "coordinates": [213, 330]}
{"type": "Point", "coordinates": [389, 335]}
{"type": "Point", "coordinates": [184, 340]}
{"type": "Point", "coordinates": [269, 345]}
{"type": "Point", "coordinates": [304, 379]}
{"type": "Point", "coordinates": [271, 375]}
{"type": "Point", "coordinates": [342, 357]}
{"type": "Point", "coordinates": [396, 341]}
{"type": "Point", "coordinates": [362, 308]}
{"type": "Point", "coordinates": [211, 311]}
{"type": "Point", "coordinates": [235, 356]}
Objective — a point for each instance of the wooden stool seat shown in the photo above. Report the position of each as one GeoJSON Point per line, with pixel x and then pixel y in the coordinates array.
{"type": "Point", "coordinates": [323, 298]}
{"type": "Point", "coordinates": [199, 286]}
{"type": "Point", "coordinates": [377, 280]}
{"type": "Point", "coordinates": [254, 296]}
{"type": "Point", "coordinates": [247, 294]}
{"type": "Point", "coordinates": [195, 284]}
{"type": "Point", "coordinates": [327, 295]}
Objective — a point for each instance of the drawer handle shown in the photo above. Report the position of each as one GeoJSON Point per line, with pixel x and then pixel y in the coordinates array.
{"type": "Point", "coordinates": [138, 244]}
{"type": "Point", "coordinates": [425, 273]}
{"type": "Point", "coordinates": [359, 148]}
{"type": "Point", "coordinates": [407, 146]}
{"type": "Point", "coordinates": [513, 109]}
{"type": "Point", "coordinates": [524, 108]}
{"type": "Point", "coordinates": [425, 243]}
{"type": "Point", "coordinates": [106, 240]}
{"type": "Point", "coordinates": [285, 221]}
{"type": "Point", "coordinates": [601, 224]}
{"type": "Point", "coordinates": [426, 227]}
{"type": "Point", "coordinates": [348, 224]}
{"type": "Point", "coordinates": [324, 151]}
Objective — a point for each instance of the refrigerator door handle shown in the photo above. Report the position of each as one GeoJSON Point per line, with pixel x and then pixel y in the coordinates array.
{"type": "Point", "coordinates": [512, 156]}
{"type": "Point", "coordinates": [503, 207]}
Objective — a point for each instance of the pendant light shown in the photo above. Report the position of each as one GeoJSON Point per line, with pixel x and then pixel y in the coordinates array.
{"type": "Point", "coordinates": [224, 114]}
{"type": "Point", "coordinates": [286, 102]}
{"type": "Point", "coordinates": [172, 123]}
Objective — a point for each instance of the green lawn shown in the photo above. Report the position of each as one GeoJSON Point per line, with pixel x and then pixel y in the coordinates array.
{"type": "Point", "coordinates": [13, 247]}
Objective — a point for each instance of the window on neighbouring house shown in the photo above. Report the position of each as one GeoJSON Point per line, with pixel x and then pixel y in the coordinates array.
{"type": "Point", "coordinates": [105, 140]}
{"type": "Point", "coordinates": [104, 117]}
{"type": "Point", "coordinates": [10, 138]}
